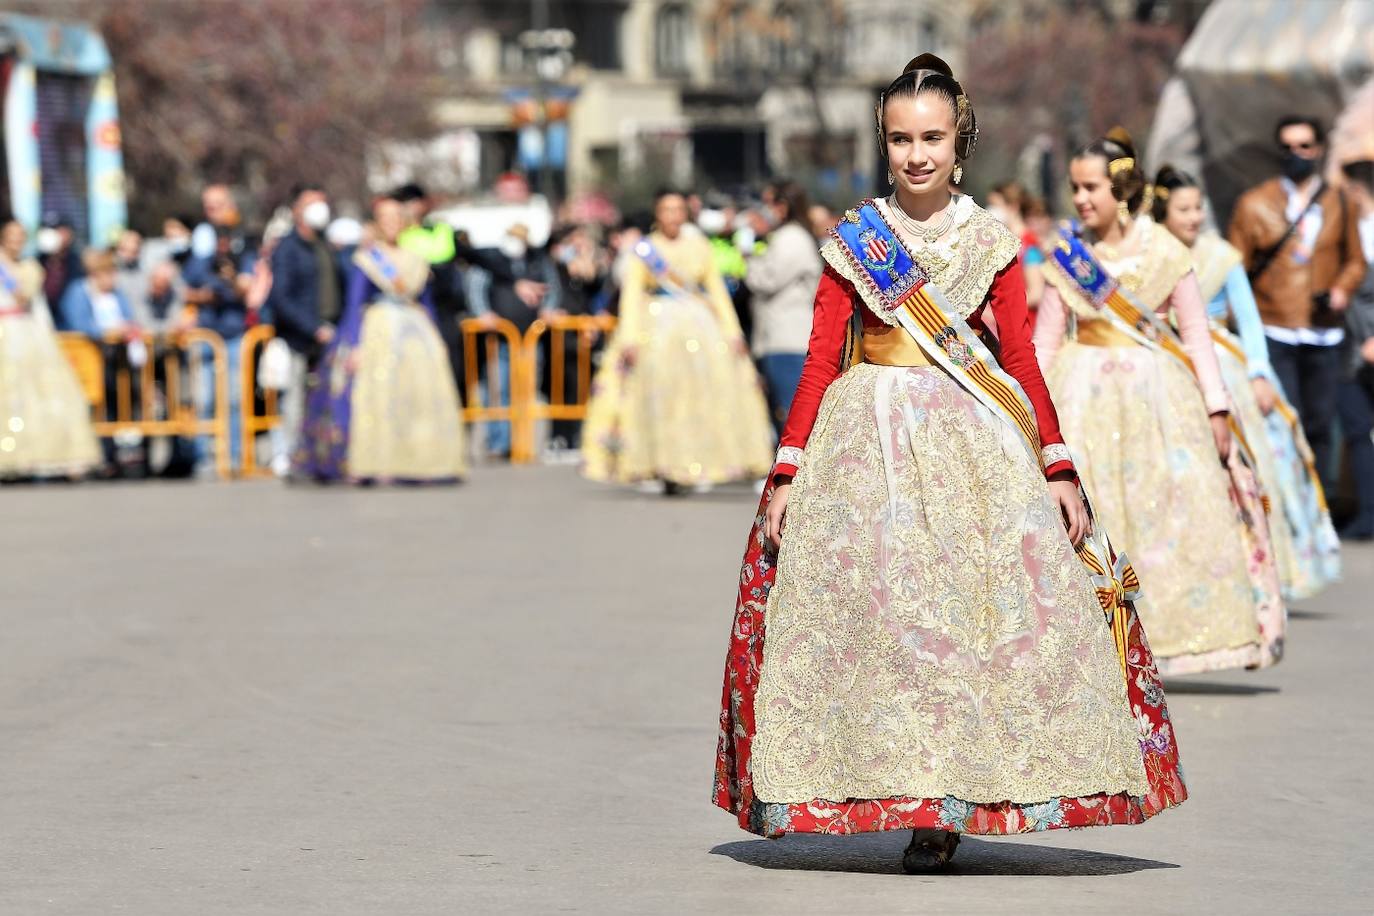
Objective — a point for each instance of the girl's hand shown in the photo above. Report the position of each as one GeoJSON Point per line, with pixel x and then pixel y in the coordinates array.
{"type": "Point", "coordinates": [776, 516]}
{"type": "Point", "coordinates": [1065, 493]}
{"type": "Point", "coordinates": [1221, 434]}
{"type": "Point", "coordinates": [1265, 395]}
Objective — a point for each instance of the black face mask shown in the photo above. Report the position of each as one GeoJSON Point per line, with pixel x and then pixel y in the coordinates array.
{"type": "Point", "coordinates": [1296, 168]}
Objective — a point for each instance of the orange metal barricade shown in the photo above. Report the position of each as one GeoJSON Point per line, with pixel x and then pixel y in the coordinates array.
{"type": "Point", "coordinates": [254, 423]}
{"type": "Point", "coordinates": [587, 328]}
{"type": "Point", "coordinates": [180, 417]}
{"type": "Point", "coordinates": [491, 333]}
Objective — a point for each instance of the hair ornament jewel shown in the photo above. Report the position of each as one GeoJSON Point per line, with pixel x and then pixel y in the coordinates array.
{"type": "Point", "coordinates": [1117, 166]}
{"type": "Point", "coordinates": [1161, 192]}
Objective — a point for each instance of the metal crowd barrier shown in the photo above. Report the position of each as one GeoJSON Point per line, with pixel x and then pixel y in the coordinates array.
{"type": "Point", "coordinates": [181, 357]}
{"type": "Point", "coordinates": [261, 407]}
{"type": "Point", "coordinates": [588, 329]}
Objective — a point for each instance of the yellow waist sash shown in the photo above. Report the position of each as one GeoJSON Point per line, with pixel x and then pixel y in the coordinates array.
{"type": "Point", "coordinates": [1102, 333]}
{"type": "Point", "coordinates": [892, 347]}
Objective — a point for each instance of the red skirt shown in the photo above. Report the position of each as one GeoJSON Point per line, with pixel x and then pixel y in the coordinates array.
{"type": "Point", "coordinates": [734, 785]}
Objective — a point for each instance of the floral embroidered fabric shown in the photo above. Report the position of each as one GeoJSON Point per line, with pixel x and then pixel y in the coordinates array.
{"type": "Point", "coordinates": [931, 635]}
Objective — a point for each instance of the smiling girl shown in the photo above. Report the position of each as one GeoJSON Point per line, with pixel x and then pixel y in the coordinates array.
{"type": "Point", "coordinates": [943, 642]}
{"type": "Point", "coordinates": [1148, 414]}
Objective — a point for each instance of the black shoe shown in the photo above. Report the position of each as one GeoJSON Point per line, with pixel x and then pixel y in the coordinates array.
{"type": "Point", "coordinates": [670, 488]}
{"type": "Point", "coordinates": [929, 851]}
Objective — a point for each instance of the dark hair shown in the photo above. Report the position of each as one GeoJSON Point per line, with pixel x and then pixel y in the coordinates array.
{"type": "Point", "coordinates": [1123, 167]}
{"type": "Point", "coordinates": [408, 192]}
{"type": "Point", "coordinates": [1168, 180]}
{"type": "Point", "coordinates": [667, 192]}
{"type": "Point", "coordinates": [1294, 120]}
{"type": "Point", "coordinates": [304, 187]}
{"type": "Point", "coordinates": [1360, 171]}
{"type": "Point", "coordinates": [793, 196]}
{"type": "Point", "coordinates": [929, 74]}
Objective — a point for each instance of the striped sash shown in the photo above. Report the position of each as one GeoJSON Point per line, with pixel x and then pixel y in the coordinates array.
{"type": "Point", "coordinates": [1076, 261]}
{"type": "Point", "coordinates": [894, 284]}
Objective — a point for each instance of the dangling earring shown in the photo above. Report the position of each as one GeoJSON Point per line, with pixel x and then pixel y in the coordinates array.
{"type": "Point", "coordinates": [890, 179]}
{"type": "Point", "coordinates": [1123, 212]}
{"type": "Point", "coordinates": [958, 174]}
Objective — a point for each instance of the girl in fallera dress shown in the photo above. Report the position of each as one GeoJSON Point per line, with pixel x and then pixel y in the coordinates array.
{"type": "Point", "coordinates": [1147, 415]}
{"type": "Point", "coordinates": [45, 419]}
{"type": "Point", "coordinates": [677, 398]}
{"type": "Point", "coordinates": [1306, 549]}
{"type": "Point", "coordinates": [383, 406]}
{"type": "Point", "coordinates": [944, 641]}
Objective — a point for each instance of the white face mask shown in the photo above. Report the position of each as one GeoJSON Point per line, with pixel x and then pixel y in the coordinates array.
{"type": "Point", "coordinates": [48, 241]}
{"type": "Point", "coordinates": [316, 215]}
{"type": "Point", "coordinates": [513, 248]}
{"type": "Point", "coordinates": [711, 222]}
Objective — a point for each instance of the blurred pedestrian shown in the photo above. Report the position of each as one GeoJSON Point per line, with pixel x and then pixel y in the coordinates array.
{"type": "Point", "coordinates": [60, 258]}
{"type": "Point", "coordinates": [782, 280]}
{"type": "Point", "coordinates": [677, 398]}
{"type": "Point", "coordinates": [48, 418]}
{"type": "Point", "coordinates": [581, 274]}
{"type": "Point", "coordinates": [1299, 240]}
{"type": "Point", "coordinates": [382, 405]}
{"type": "Point", "coordinates": [221, 218]}
{"type": "Point", "coordinates": [505, 293]}
{"type": "Point", "coordinates": [1356, 398]}
{"type": "Point", "coordinates": [822, 219]}
{"type": "Point", "coordinates": [305, 304]}
{"type": "Point", "coordinates": [95, 307]}
{"type": "Point", "coordinates": [218, 287]}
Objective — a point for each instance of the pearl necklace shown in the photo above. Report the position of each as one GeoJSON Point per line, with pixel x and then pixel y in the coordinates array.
{"type": "Point", "coordinates": [925, 232]}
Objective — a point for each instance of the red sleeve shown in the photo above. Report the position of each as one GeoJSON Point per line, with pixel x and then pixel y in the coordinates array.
{"type": "Point", "coordinates": [1007, 299]}
{"type": "Point", "coordinates": [832, 310]}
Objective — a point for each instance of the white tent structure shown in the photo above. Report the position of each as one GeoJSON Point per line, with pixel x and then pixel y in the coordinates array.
{"type": "Point", "coordinates": [1248, 63]}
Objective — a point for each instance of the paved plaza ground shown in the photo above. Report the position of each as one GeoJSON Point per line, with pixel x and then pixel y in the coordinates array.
{"type": "Point", "coordinates": [502, 698]}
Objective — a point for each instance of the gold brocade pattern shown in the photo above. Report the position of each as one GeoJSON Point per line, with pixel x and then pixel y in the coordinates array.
{"type": "Point", "coordinates": [45, 420]}
{"type": "Point", "coordinates": [1135, 416]}
{"type": "Point", "coordinates": [407, 423]}
{"type": "Point", "coordinates": [677, 397]}
{"type": "Point", "coordinates": [1213, 260]}
{"type": "Point", "coordinates": [931, 634]}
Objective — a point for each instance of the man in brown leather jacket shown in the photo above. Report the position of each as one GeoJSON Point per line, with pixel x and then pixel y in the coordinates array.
{"type": "Point", "coordinates": [1301, 246]}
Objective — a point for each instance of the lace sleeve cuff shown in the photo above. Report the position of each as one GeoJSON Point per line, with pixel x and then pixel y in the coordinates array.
{"type": "Point", "coordinates": [788, 460]}
{"type": "Point", "coordinates": [1054, 454]}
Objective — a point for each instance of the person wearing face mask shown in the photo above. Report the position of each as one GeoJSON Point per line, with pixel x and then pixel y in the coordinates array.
{"type": "Point", "coordinates": [304, 304]}
{"type": "Point", "coordinates": [1146, 410]}
{"type": "Point", "coordinates": [1299, 240]}
{"type": "Point", "coordinates": [1305, 546]}
{"type": "Point", "coordinates": [498, 293]}
{"type": "Point", "coordinates": [47, 430]}
{"type": "Point", "coordinates": [60, 259]}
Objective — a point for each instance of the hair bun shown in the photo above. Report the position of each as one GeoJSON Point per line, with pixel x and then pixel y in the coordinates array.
{"type": "Point", "coordinates": [1122, 138]}
{"type": "Point", "coordinates": [1166, 174]}
{"type": "Point", "coordinates": [929, 62]}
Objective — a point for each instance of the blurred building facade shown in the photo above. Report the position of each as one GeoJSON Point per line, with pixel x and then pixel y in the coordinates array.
{"type": "Point", "coordinates": [711, 93]}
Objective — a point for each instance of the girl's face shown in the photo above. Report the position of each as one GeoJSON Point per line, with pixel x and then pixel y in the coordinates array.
{"type": "Point", "coordinates": [390, 217]}
{"type": "Point", "coordinates": [12, 239]}
{"type": "Point", "coordinates": [1183, 217]}
{"type": "Point", "coordinates": [920, 136]}
{"type": "Point", "coordinates": [670, 213]}
{"type": "Point", "coordinates": [1092, 193]}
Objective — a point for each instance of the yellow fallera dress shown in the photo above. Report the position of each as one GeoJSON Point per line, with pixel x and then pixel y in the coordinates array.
{"type": "Point", "coordinates": [1137, 422]}
{"type": "Point", "coordinates": [677, 397]}
{"type": "Point", "coordinates": [45, 419]}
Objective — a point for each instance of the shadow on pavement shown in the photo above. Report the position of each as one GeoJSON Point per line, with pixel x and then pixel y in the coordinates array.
{"type": "Point", "coordinates": [881, 853]}
{"type": "Point", "coordinates": [1213, 689]}
{"type": "Point", "coordinates": [1310, 615]}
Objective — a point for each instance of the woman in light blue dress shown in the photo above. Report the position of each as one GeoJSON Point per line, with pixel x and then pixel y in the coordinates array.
{"type": "Point", "coordinates": [1305, 544]}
